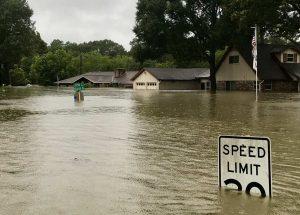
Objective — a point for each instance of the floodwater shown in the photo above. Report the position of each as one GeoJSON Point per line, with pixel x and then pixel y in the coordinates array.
{"type": "Point", "coordinates": [125, 152]}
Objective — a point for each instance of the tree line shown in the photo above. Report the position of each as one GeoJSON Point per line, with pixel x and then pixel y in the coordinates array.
{"type": "Point", "coordinates": [168, 33]}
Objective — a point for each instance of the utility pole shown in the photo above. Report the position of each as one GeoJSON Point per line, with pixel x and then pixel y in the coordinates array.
{"type": "Point", "coordinates": [80, 69]}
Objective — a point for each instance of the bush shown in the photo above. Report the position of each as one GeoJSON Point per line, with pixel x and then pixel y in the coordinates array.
{"type": "Point", "coordinates": [18, 77]}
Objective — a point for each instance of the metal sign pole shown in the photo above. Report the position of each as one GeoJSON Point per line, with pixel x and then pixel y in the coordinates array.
{"type": "Point", "coordinates": [256, 63]}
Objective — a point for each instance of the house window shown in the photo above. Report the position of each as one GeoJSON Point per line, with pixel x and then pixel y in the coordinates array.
{"type": "Point", "coordinates": [289, 58]}
{"type": "Point", "coordinates": [234, 59]}
{"type": "Point", "coordinates": [151, 84]}
{"type": "Point", "coordinates": [140, 84]}
{"type": "Point", "coordinates": [268, 85]}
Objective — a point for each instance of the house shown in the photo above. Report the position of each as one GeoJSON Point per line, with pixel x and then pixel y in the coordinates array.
{"type": "Point", "coordinates": [96, 79]}
{"type": "Point", "coordinates": [278, 69]}
{"type": "Point", "coordinates": [172, 79]}
{"type": "Point", "coordinates": [123, 79]}
{"type": "Point", "coordinates": [118, 78]}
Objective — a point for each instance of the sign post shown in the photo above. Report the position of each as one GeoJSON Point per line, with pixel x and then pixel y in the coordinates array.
{"type": "Point", "coordinates": [245, 163]}
{"type": "Point", "coordinates": [79, 87]}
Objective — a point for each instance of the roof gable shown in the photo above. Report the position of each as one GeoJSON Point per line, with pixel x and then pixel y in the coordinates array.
{"type": "Point", "coordinates": [268, 65]}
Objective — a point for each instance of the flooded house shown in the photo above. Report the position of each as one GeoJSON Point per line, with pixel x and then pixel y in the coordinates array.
{"type": "Point", "coordinates": [172, 79]}
{"type": "Point", "coordinates": [118, 78]}
{"type": "Point", "coordinates": [278, 69]}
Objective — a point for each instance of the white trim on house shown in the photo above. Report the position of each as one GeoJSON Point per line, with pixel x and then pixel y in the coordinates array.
{"type": "Point", "coordinates": [146, 81]}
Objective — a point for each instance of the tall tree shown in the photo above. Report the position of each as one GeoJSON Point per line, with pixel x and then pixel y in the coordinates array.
{"type": "Point", "coordinates": [103, 47]}
{"type": "Point", "coordinates": [202, 23]}
{"type": "Point", "coordinates": [289, 21]}
{"type": "Point", "coordinates": [17, 35]}
{"type": "Point", "coordinates": [248, 13]}
{"type": "Point", "coordinates": [276, 19]}
{"type": "Point", "coordinates": [150, 30]}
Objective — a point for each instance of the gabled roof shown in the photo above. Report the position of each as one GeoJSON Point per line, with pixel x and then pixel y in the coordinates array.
{"type": "Point", "coordinates": [125, 79]}
{"type": "Point", "coordinates": [176, 74]}
{"type": "Point", "coordinates": [69, 80]}
{"type": "Point", "coordinates": [282, 48]}
{"type": "Point", "coordinates": [269, 67]}
{"type": "Point", "coordinates": [107, 77]}
{"type": "Point", "coordinates": [94, 77]}
{"type": "Point", "coordinates": [293, 69]}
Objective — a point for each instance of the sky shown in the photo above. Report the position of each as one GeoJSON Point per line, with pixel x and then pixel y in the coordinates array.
{"type": "Point", "coordinates": [85, 20]}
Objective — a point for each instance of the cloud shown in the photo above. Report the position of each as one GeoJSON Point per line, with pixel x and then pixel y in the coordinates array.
{"type": "Point", "coordinates": [85, 20]}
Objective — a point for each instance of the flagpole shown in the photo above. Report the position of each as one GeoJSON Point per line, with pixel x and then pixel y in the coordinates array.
{"type": "Point", "coordinates": [254, 52]}
{"type": "Point", "coordinates": [256, 80]}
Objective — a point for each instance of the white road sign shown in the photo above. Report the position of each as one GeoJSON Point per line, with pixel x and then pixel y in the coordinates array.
{"type": "Point", "coordinates": [245, 162]}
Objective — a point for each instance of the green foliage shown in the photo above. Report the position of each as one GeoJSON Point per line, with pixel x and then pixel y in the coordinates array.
{"type": "Point", "coordinates": [18, 77]}
{"type": "Point", "coordinates": [17, 35]}
{"type": "Point", "coordinates": [288, 25]}
{"type": "Point", "coordinates": [200, 25]}
{"type": "Point", "coordinates": [56, 45]}
{"type": "Point", "coordinates": [151, 30]}
{"type": "Point", "coordinates": [47, 68]}
{"type": "Point", "coordinates": [93, 61]}
{"type": "Point", "coordinates": [102, 47]}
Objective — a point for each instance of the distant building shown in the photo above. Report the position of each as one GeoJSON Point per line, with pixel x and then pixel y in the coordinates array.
{"type": "Point", "coordinates": [278, 69]}
{"type": "Point", "coordinates": [118, 78]}
{"type": "Point", "coordinates": [172, 79]}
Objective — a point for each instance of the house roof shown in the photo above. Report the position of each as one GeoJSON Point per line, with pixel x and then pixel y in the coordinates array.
{"type": "Point", "coordinates": [94, 77]}
{"type": "Point", "coordinates": [106, 77]}
{"type": "Point", "coordinates": [282, 48]}
{"type": "Point", "coordinates": [176, 74]}
{"type": "Point", "coordinates": [293, 69]}
{"type": "Point", "coordinates": [125, 79]}
{"type": "Point", "coordinates": [269, 67]}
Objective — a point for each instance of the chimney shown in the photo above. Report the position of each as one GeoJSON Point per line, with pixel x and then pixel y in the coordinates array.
{"type": "Point", "coordinates": [119, 72]}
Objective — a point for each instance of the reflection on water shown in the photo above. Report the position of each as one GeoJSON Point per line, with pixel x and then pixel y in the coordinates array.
{"type": "Point", "coordinates": [125, 152]}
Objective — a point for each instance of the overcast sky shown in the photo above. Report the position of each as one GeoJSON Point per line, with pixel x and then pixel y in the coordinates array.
{"type": "Point", "coordinates": [85, 20]}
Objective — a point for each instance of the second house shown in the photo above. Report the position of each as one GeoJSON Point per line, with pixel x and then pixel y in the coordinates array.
{"type": "Point", "coordinates": [172, 79]}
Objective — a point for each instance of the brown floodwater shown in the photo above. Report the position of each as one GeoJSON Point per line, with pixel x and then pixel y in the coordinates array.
{"type": "Point", "coordinates": [125, 152]}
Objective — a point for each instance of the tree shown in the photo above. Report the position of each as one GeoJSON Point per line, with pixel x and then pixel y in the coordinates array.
{"type": "Point", "coordinates": [248, 13]}
{"type": "Point", "coordinates": [150, 30]}
{"type": "Point", "coordinates": [56, 45]}
{"type": "Point", "coordinates": [277, 20]}
{"type": "Point", "coordinates": [18, 37]}
{"type": "Point", "coordinates": [103, 47]}
{"type": "Point", "coordinates": [18, 77]}
{"type": "Point", "coordinates": [289, 25]}
{"type": "Point", "coordinates": [46, 68]}
{"type": "Point", "coordinates": [202, 24]}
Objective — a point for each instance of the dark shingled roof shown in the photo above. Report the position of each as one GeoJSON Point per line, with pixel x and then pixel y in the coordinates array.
{"type": "Point", "coordinates": [176, 74]}
{"type": "Point", "coordinates": [94, 77]}
{"type": "Point", "coordinates": [267, 64]}
{"type": "Point", "coordinates": [102, 78]}
{"type": "Point", "coordinates": [269, 67]}
{"type": "Point", "coordinates": [293, 69]}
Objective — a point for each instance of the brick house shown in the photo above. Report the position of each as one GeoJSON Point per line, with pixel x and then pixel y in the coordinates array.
{"type": "Point", "coordinates": [278, 69]}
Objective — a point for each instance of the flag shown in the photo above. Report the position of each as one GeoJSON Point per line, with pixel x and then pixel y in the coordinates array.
{"type": "Point", "coordinates": [254, 51]}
